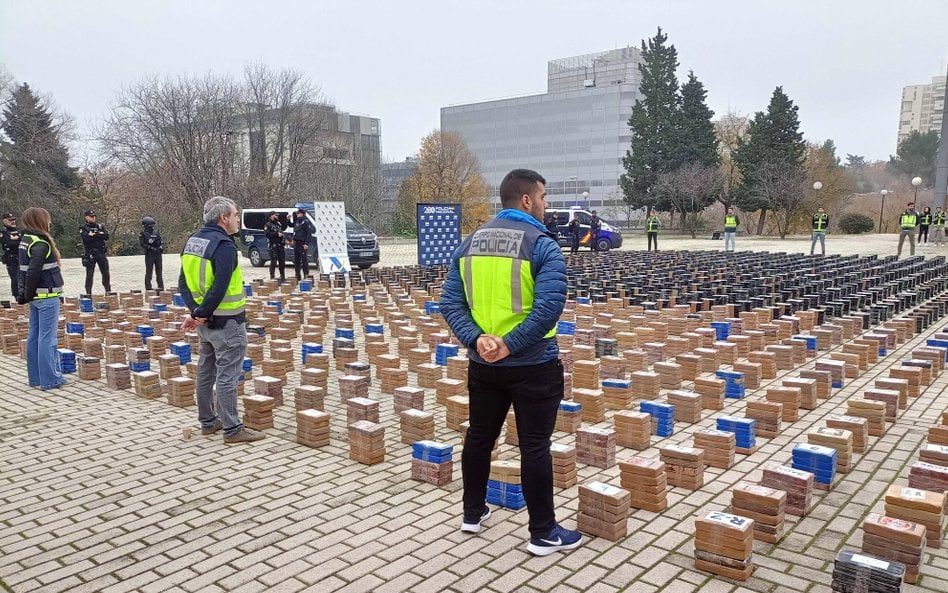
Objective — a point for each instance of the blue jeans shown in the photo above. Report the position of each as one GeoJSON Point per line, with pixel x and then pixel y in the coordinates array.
{"type": "Point", "coordinates": [222, 356]}
{"type": "Point", "coordinates": [729, 240]}
{"type": "Point", "coordinates": [42, 360]}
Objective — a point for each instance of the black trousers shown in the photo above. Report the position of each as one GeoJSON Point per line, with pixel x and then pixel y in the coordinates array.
{"type": "Point", "coordinates": [278, 255]}
{"type": "Point", "coordinates": [574, 244]}
{"type": "Point", "coordinates": [652, 238]}
{"type": "Point", "coordinates": [300, 261]}
{"type": "Point", "coordinates": [922, 232]}
{"type": "Point", "coordinates": [98, 257]}
{"type": "Point", "coordinates": [14, 271]}
{"type": "Point", "coordinates": [535, 392]}
{"type": "Point", "coordinates": [153, 264]}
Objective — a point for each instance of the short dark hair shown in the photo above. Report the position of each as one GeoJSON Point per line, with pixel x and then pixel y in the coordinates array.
{"type": "Point", "coordinates": [516, 183]}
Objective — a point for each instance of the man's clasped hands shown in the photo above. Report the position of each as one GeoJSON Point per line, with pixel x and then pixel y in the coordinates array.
{"type": "Point", "coordinates": [492, 348]}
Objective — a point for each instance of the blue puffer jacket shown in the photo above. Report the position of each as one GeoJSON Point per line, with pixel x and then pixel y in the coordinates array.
{"type": "Point", "coordinates": [526, 342]}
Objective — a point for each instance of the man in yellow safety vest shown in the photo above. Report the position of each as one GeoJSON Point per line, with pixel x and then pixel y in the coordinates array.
{"type": "Point", "coordinates": [212, 286]}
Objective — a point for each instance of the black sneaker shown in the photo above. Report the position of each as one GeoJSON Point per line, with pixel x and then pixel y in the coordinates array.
{"type": "Point", "coordinates": [472, 523]}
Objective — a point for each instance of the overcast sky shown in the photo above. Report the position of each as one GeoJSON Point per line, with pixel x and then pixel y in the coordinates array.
{"type": "Point", "coordinates": [843, 62]}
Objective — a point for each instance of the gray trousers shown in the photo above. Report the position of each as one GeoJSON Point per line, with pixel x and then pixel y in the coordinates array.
{"type": "Point", "coordinates": [910, 233]}
{"type": "Point", "coordinates": [818, 236]}
{"type": "Point", "coordinates": [222, 356]}
{"type": "Point", "coordinates": [938, 235]}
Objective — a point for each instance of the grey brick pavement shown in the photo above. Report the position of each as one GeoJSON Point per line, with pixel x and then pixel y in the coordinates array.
{"type": "Point", "coordinates": [100, 493]}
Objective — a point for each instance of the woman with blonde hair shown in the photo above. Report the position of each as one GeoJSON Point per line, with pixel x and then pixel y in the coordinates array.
{"type": "Point", "coordinates": [40, 285]}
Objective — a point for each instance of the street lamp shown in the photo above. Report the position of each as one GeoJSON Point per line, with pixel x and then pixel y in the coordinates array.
{"type": "Point", "coordinates": [884, 193]}
{"type": "Point", "coordinates": [586, 200]}
{"type": "Point", "coordinates": [575, 188]}
{"type": "Point", "coordinates": [916, 181]}
{"type": "Point", "coordinates": [818, 185]}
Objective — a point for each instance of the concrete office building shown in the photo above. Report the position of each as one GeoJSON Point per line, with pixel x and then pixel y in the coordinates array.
{"type": "Point", "coordinates": [575, 134]}
{"type": "Point", "coordinates": [393, 174]}
{"type": "Point", "coordinates": [922, 107]}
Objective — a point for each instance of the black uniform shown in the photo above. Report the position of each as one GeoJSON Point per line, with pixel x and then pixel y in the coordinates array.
{"type": "Point", "coordinates": [275, 243]}
{"type": "Point", "coordinates": [574, 229]}
{"type": "Point", "coordinates": [595, 227]}
{"type": "Point", "coordinates": [94, 237]}
{"type": "Point", "coordinates": [153, 246]}
{"type": "Point", "coordinates": [10, 241]}
{"type": "Point", "coordinates": [303, 231]}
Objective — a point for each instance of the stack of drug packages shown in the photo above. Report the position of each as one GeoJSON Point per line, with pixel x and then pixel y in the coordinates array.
{"type": "Point", "coordinates": [855, 572]}
{"type": "Point", "coordinates": [724, 544]}
{"type": "Point", "coordinates": [684, 466]}
{"type": "Point", "coordinates": [895, 539]}
{"type": "Point", "coordinates": [366, 442]}
{"type": "Point", "coordinates": [647, 482]}
{"type": "Point", "coordinates": [603, 510]}
{"type": "Point", "coordinates": [918, 506]}
{"type": "Point", "coordinates": [312, 428]}
{"type": "Point", "coordinates": [819, 460]}
{"type": "Point", "coordinates": [596, 447]}
{"type": "Point", "coordinates": [718, 447]}
{"type": "Point", "coordinates": [633, 429]}
{"type": "Point", "coordinates": [766, 506]}
{"type": "Point", "coordinates": [504, 485]}
{"type": "Point", "coordinates": [744, 430]}
{"type": "Point", "coordinates": [564, 465]}
{"type": "Point", "coordinates": [432, 462]}
{"type": "Point", "coordinates": [798, 485]}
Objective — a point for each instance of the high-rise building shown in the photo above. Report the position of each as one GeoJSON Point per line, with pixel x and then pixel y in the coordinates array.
{"type": "Point", "coordinates": [575, 134]}
{"type": "Point", "coordinates": [922, 107]}
{"type": "Point", "coordinates": [393, 174]}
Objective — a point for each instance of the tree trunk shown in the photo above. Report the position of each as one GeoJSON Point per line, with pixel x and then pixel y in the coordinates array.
{"type": "Point", "coordinates": [761, 220]}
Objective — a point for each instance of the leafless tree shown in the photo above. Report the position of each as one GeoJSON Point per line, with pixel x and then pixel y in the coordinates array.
{"type": "Point", "coordinates": [691, 188]}
{"type": "Point", "coordinates": [784, 187]}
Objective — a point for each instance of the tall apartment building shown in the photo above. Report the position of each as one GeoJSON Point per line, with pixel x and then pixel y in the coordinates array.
{"type": "Point", "coordinates": [575, 134]}
{"type": "Point", "coordinates": [922, 107]}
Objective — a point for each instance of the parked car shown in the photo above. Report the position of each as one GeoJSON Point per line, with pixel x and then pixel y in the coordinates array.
{"type": "Point", "coordinates": [609, 236]}
{"type": "Point", "coordinates": [362, 243]}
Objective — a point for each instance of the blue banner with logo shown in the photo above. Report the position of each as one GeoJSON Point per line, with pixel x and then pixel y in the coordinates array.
{"type": "Point", "coordinates": [439, 232]}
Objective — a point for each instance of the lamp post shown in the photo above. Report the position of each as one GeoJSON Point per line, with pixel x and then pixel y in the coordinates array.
{"type": "Point", "coordinates": [916, 181]}
{"type": "Point", "coordinates": [884, 193]}
{"type": "Point", "coordinates": [575, 188]}
{"type": "Point", "coordinates": [586, 200]}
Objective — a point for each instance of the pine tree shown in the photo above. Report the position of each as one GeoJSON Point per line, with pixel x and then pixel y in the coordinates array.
{"type": "Point", "coordinates": [653, 124]}
{"type": "Point", "coordinates": [35, 160]}
{"type": "Point", "coordinates": [775, 143]}
{"type": "Point", "coordinates": [697, 142]}
{"type": "Point", "coordinates": [916, 156]}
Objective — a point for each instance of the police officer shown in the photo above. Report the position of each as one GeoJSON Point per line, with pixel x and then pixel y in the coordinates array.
{"type": "Point", "coordinates": [574, 229]}
{"type": "Point", "coordinates": [275, 243]}
{"type": "Point", "coordinates": [651, 229]}
{"type": "Point", "coordinates": [730, 229]}
{"type": "Point", "coordinates": [153, 246]}
{"type": "Point", "coordinates": [819, 224]}
{"type": "Point", "coordinates": [595, 227]}
{"type": "Point", "coordinates": [924, 221]}
{"type": "Point", "coordinates": [94, 237]}
{"type": "Point", "coordinates": [303, 231]}
{"type": "Point", "coordinates": [938, 221]}
{"type": "Point", "coordinates": [212, 287]}
{"type": "Point", "coordinates": [908, 220]}
{"type": "Point", "coordinates": [10, 242]}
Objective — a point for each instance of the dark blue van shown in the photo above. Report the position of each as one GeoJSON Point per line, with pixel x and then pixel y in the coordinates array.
{"type": "Point", "coordinates": [363, 244]}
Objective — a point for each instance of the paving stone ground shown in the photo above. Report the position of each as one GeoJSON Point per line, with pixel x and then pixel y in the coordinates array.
{"type": "Point", "coordinates": [99, 492]}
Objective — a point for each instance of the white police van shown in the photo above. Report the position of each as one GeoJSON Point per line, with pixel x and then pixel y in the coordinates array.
{"type": "Point", "coordinates": [362, 243]}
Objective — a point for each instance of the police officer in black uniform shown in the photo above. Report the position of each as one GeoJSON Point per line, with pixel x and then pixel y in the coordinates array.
{"type": "Point", "coordinates": [275, 243]}
{"type": "Point", "coordinates": [10, 242]}
{"type": "Point", "coordinates": [153, 246]}
{"type": "Point", "coordinates": [303, 231]}
{"type": "Point", "coordinates": [94, 237]}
